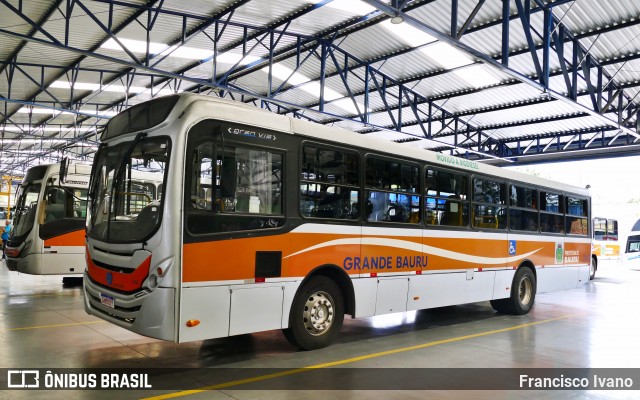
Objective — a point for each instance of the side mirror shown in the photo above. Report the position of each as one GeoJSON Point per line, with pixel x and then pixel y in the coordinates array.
{"type": "Point", "coordinates": [64, 167]}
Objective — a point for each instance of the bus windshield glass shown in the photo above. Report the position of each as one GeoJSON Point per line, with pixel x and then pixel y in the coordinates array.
{"type": "Point", "coordinates": [26, 210]}
{"type": "Point", "coordinates": [125, 205]}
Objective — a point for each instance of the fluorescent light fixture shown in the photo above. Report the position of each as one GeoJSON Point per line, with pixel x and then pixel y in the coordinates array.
{"type": "Point", "coordinates": [134, 46]}
{"type": "Point", "coordinates": [357, 7]}
{"type": "Point", "coordinates": [46, 140]}
{"type": "Point", "coordinates": [140, 46]}
{"type": "Point", "coordinates": [45, 111]}
{"type": "Point", "coordinates": [477, 75]}
{"type": "Point", "coordinates": [177, 51]}
{"type": "Point", "coordinates": [139, 90]}
{"type": "Point", "coordinates": [107, 113]}
{"type": "Point", "coordinates": [414, 37]}
{"type": "Point", "coordinates": [26, 128]}
{"type": "Point", "coordinates": [447, 55]}
{"type": "Point", "coordinates": [94, 87]}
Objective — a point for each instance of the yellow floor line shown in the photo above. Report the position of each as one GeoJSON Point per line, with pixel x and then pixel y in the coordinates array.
{"type": "Point", "coordinates": [55, 326]}
{"type": "Point", "coordinates": [350, 360]}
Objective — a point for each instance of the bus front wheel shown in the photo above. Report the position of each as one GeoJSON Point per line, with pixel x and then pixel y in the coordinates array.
{"type": "Point", "coordinates": [317, 313]}
{"type": "Point", "coordinates": [593, 268]}
{"type": "Point", "coordinates": [523, 294]}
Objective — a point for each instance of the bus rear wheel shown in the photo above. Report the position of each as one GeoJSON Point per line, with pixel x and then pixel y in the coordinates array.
{"type": "Point", "coordinates": [523, 294]}
{"type": "Point", "coordinates": [317, 314]}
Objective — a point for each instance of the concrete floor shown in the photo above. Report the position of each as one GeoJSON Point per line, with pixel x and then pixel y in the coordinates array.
{"type": "Point", "coordinates": [43, 325]}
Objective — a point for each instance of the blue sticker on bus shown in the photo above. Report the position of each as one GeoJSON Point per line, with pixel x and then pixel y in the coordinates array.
{"type": "Point", "coordinates": [512, 247]}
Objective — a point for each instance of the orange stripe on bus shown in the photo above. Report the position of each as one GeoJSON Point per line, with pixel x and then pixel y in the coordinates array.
{"type": "Point", "coordinates": [75, 238]}
{"type": "Point", "coordinates": [302, 252]}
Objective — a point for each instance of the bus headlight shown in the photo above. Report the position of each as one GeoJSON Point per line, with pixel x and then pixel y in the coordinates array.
{"type": "Point", "coordinates": [157, 275]}
{"type": "Point", "coordinates": [153, 281]}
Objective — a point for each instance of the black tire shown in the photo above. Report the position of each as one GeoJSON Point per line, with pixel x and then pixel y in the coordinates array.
{"type": "Point", "coordinates": [317, 314]}
{"type": "Point", "coordinates": [593, 268]}
{"type": "Point", "coordinates": [523, 294]}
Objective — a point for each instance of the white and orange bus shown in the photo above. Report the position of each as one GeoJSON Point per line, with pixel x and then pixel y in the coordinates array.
{"type": "Point", "coordinates": [605, 242]}
{"type": "Point", "coordinates": [48, 236]}
{"type": "Point", "coordinates": [269, 222]}
{"type": "Point", "coordinates": [631, 256]}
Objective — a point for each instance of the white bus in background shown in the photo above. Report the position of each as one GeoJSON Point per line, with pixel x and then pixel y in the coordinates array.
{"type": "Point", "coordinates": [631, 257]}
{"type": "Point", "coordinates": [48, 235]}
{"type": "Point", "coordinates": [606, 245]}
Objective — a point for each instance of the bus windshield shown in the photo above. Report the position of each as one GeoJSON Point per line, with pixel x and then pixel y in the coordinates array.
{"type": "Point", "coordinates": [124, 205]}
{"type": "Point", "coordinates": [26, 210]}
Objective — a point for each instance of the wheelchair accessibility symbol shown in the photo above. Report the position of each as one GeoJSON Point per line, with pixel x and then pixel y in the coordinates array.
{"type": "Point", "coordinates": [512, 247]}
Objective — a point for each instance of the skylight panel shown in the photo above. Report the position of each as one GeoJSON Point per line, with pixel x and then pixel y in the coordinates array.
{"type": "Point", "coordinates": [357, 7]}
{"type": "Point", "coordinates": [447, 55]}
{"type": "Point", "coordinates": [177, 51]}
{"type": "Point", "coordinates": [477, 76]}
{"type": "Point", "coordinates": [283, 73]}
{"type": "Point", "coordinates": [94, 87]}
{"type": "Point", "coordinates": [43, 111]}
{"type": "Point", "coordinates": [135, 46]}
{"type": "Point", "coordinates": [407, 33]}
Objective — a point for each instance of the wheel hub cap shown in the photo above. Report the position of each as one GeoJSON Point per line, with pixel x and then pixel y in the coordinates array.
{"type": "Point", "coordinates": [318, 313]}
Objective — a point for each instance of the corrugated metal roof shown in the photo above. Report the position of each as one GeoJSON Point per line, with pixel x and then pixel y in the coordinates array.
{"type": "Point", "coordinates": [508, 110]}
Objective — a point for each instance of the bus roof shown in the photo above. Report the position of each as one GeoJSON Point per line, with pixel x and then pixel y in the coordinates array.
{"type": "Point", "coordinates": [42, 171]}
{"type": "Point", "coordinates": [234, 111]}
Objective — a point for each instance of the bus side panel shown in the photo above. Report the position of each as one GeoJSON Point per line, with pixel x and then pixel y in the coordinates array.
{"type": "Point", "coordinates": [392, 295]}
{"type": "Point", "coordinates": [583, 275]}
{"type": "Point", "coordinates": [63, 264]}
{"type": "Point", "coordinates": [365, 293]}
{"type": "Point", "coordinates": [502, 285]}
{"type": "Point", "coordinates": [551, 279]}
{"type": "Point", "coordinates": [289, 292]}
{"type": "Point", "coordinates": [577, 255]}
{"type": "Point", "coordinates": [446, 289]}
{"type": "Point", "coordinates": [210, 306]}
{"type": "Point", "coordinates": [255, 308]}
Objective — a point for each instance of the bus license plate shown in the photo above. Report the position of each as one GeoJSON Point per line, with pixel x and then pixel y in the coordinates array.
{"type": "Point", "coordinates": [107, 300]}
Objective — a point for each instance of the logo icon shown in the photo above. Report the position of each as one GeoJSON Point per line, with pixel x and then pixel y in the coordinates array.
{"type": "Point", "coordinates": [23, 378]}
{"type": "Point", "coordinates": [559, 253]}
{"type": "Point", "coordinates": [109, 278]}
{"type": "Point", "coordinates": [512, 247]}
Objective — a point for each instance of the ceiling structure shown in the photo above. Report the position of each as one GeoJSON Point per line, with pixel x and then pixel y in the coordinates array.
{"type": "Point", "coordinates": [502, 81]}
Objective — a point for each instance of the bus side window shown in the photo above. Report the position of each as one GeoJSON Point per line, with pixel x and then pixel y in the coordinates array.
{"type": "Point", "coordinates": [55, 202]}
{"type": "Point", "coordinates": [577, 222]}
{"type": "Point", "coordinates": [551, 212]}
{"type": "Point", "coordinates": [489, 200]}
{"type": "Point", "coordinates": [446, 202]}
{"type": "Point", "coordinates": [523, 212]}
{"type": "Point", "coordinates": [329, 184]}
{"type": "Point", "coordinates": [392, 188]}
{"type": "Point", "coordinates": [234, 187]}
